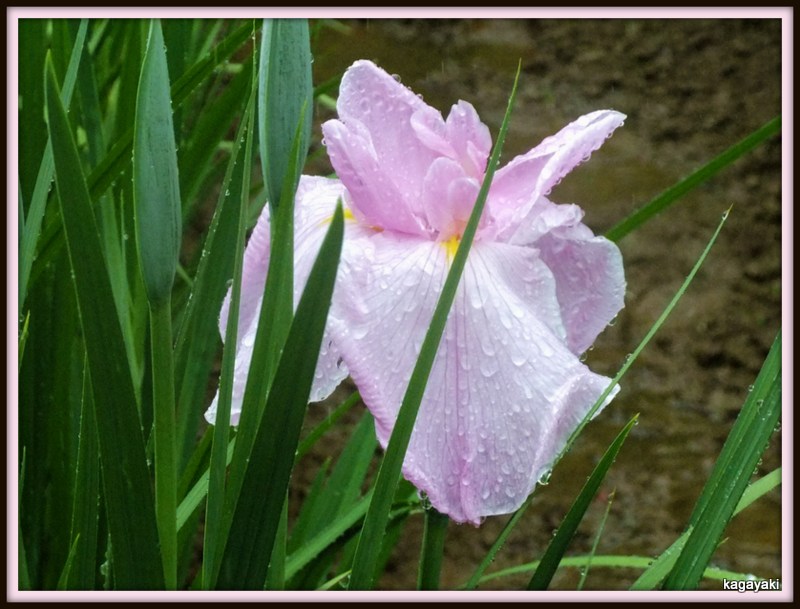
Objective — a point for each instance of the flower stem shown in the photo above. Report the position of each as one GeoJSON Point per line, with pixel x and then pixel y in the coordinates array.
{"type": "Point", "coordinates": [164, 415]}
{"type": "Point", "coordinates": [430, 563]}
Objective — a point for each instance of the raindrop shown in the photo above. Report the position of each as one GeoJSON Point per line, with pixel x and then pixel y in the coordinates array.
{"type": "Point", "coordinates": [396, 77]}
{"type": "Point", "coordinates": [613, 321]}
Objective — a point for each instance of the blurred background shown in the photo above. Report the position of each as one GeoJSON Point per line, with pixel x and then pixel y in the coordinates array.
{"type": "Point", "coordinates": [690, 89]}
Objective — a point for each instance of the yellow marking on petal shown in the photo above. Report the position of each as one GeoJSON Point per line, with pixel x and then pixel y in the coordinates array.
{"type": "Point", "coordinates": [450, 246]}
{"type": "Point", "coordinates": [348, 215]}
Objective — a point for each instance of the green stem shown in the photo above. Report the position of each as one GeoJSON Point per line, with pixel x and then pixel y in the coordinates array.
{"type": "Point", "coordinates": [430, 564]}
{"type": "Point", "coordinates": [165, 455]}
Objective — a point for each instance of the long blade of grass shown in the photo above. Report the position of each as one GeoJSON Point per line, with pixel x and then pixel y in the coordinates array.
{"type": "Point", "coordinates": [430, 562]}
{"type": "Point", "coordinates": [129, 504]}
{"type": "Point", "coordinates": [234, 210]}
{"type": "Point", "coordinates": [85, 500]}
{"type": "Point", "coordinates": [734, 467]}
{"type": "Point", "coordinates": [65, 573]}
{"type": "Point", "coordinates": [338, 528]}
{"type": "Point", "coordinates": [661, 567]}
{"type": "Point", "coordinates": [512, 522]}
{"type": "Point", "coordinates": [333, 500]}
{"type": "Point", "coordinates": [369, 544]}
{"type": "Point", "coordinates": [194, 498]}
{"type": "Point", "coordinates": [555, 551]}
{"type": "Point", "coordinates": [343, 487]}
{"type": "Point", "coordinates": [596, 542]}
{"type": "Point", "coordinates": [274, 323]}
{"type": "Point", "coordinates": [672, 194]}
{"type": "Point", "coordinates": [24, 575]}
{"type": "Point", "coordinates": [608, 561]}
{"type": "Point", "coordinates": [254, 524]}
{"type": "Point", "coordinates": [758, 489]}
{"type": "Point", "coordinates": [33, 224]}
{"type": "Point", "coordinates": [213, 123]}
{"type": "Point", "coordinates": [198, 337]}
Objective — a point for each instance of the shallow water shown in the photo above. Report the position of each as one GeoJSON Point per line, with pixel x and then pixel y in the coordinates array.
{"type": "Point", "coordinates": [690, 89]}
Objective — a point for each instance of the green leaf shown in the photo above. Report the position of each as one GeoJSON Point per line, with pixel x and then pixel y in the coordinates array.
{"type": "Point", "coordinates": [341, 492]}
{"type": "Point", "coordinates": [234, 216]}
{"type": "Point", "coordinates": [274, 322]}
{"type": "Point", "coordinates": [593, 551]}
{"type": "Point", "coordinates": [198, 334]}
{"type": "Point", "coordinates": [672, 194]}
{"type": "Point", "coordinates": [734, 468]}
{"type": "Point", "coordinates": [758, 489]}
{"type": "Point", "coordinates": [284, 76]}
{"type": "Point", "coordinates": [430, 562]}
{"type": "Point", "coordinates": [194, 498]}
{"type": "Point", "coordinates": [214, 121]}
{"type": "Point", "coordinates": [334, 531]}
{"type": "Point", "coordinates": [661, 567]}
{"type": "Point", "coordinates": [33, 224]}
{"type": "Point", "coordinates": [129, 502]}
{"type": "Point", "coordinates": [65, 573]}
{"type": "Point", "coordinates": [255, 520]}
{"type": "Point", "coordinates": [85, 500]}
{"type": "Point", "coordinates": [118, 158]}
{"type": "Point", "coordinates": [606, 561]}
{"type": "Point", "coordinates": [555, 551]}
{"type": "Point", "coordinates": [155, 173]}
{"type": "Point", "coordinates": [369, 544]}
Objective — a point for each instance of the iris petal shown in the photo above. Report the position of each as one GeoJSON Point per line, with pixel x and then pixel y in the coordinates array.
{"type": "Point", "coordinates": [505, 392]}
{"type": "Point", "coordinates": [315, 202]}
{"type": "Point", "coordinates": [520, 184]}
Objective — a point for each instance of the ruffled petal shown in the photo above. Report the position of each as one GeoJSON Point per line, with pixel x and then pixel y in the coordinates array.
{"type": "Point", "coordinates": [504, 393]}
{"type": "Point", "coordinates": [448, 197]}
{"type": "Point", "coordinates": [371, 97]}
{"type": "Point", "coordinates": [315, 203]}
{"type": "Point", "coordinates": [372, 193]}
{"type": "Point", "coordinates": [469, 137]}
{"type": "Point", "coordinates": [589, 275]}
{"type": "Point", "coordinates": [520, 184]}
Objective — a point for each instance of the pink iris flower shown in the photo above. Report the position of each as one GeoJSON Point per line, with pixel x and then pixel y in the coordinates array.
{"type": "Point", "coordinates": [507, 387]}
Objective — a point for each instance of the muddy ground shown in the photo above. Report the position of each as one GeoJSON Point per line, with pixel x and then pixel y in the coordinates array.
{"type": "Point", "coordinates": [690, 89]}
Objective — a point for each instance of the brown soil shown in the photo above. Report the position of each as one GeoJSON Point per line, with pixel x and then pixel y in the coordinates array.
{"type": "Point", "coordinates": [690, 88]}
